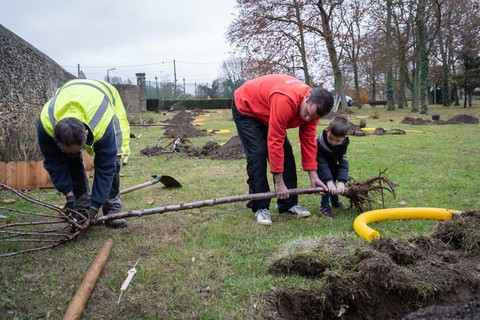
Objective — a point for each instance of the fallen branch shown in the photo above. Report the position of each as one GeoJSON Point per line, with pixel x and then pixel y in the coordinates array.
{"type": "Point", "coordinates": [199, 204]}
{"type": "Point", "coordinates": [26, 233]}
{"type": "Point", "coordinates": [18, 232]}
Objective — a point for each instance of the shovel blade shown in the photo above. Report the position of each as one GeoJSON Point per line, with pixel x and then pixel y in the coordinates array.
{"type": "Point", "coordinates": [170, 182]}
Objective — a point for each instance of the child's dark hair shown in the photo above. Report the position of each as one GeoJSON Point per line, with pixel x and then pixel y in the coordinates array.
{"type": "Point", "coordinates": [69, 131]}
{"type": "Point", "coordinates": [339, 125]}
{"type": "Point", "coordinates": [323, 99]}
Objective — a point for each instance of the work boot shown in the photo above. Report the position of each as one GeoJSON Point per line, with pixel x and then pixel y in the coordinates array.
{"type": "Point", "coordinates": [78, 218]}
{"type": "Point", "coordinates": [75, 218]}
{"type": "Point", "coordinates": [117, 223]}
{"type": "Point", "coordinates": [327, 212]}
{"type": "Point", "coordinates": [340, 205]}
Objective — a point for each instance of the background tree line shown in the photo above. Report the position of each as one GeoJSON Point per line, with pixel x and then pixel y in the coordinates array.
{"type": "Point", "coordinates": [394, 50]}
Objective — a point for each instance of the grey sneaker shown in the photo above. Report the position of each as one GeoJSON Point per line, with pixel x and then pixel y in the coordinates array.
{"type": "Point", "coordinates": [298, 211]}
{"type": "Point", "coordinates": [262, 216]}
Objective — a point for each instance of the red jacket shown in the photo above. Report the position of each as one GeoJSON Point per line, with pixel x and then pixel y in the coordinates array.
{"type": "Point", "coordinates": [275, 100]}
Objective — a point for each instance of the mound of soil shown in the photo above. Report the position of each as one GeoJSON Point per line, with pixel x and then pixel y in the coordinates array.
{"type": "Point", "coordinates": [231, 150]}
{"type": "Point", "coordinates": [152, 151]}
{"type": "Point", "coordinates": [463, 118]}
{"type": "Point", "coordinates": [181, 117]}
{"type": "Point", "coordinates": [387, 279]}
{"type": "Point", "coordinates": [458, 119]}
{"type": "Point", "coordinates": [415, 121]}
{"type": "Point", "coordinates": [184, 128]}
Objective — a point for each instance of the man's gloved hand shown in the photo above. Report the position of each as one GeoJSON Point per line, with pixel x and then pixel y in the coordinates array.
{"type": "Point", "coordinates": [92, 212]}
{"type": "Point", "coordinates": [70, 204]}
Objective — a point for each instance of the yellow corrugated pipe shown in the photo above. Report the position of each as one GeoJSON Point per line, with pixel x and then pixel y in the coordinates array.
{"type": "Point", "coordinates": [364, 231]}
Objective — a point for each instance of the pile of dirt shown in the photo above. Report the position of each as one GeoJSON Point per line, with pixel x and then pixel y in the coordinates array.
{"type": "Point", "coordinates": [356, 130]}
{"type": "Point", "coordinates": [458, 119]}
{"type": "Point", "coordinates": [231, 150]}
{"type": "Point", "coordinates": [152, 151]}
{"type": "Point", "coordinates": [415, 121]}
{"type": "Point", "coordinates": [184, 128]}
{"type": "Point", "coordinates": [463, 119]}
{"type": "Point", "coordinates": [181, 117]}
{"type": "Point", "coordinates": [387, 279]}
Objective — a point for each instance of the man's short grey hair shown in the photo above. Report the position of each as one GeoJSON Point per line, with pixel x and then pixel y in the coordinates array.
{"type": "Point", "coordinates": [69, 132]}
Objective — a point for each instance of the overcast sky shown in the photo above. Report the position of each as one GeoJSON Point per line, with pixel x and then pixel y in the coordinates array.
{"type": "Point", "coordinates": [131, 36]}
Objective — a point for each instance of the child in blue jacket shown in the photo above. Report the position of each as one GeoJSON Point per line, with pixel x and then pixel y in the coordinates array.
{"type": "Point", "coordinates": [332, 162]}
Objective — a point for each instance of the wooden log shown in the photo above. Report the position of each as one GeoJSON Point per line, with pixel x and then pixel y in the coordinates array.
{"type": "Point", "coordinates": [80, 299]}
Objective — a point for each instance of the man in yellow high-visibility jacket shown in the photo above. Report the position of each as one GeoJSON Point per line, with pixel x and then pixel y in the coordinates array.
{"type": "Point", "coordinates": [85, 114]}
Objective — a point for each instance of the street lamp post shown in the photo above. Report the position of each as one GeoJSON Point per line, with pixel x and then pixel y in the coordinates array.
{"type": "Point", "coordinates": [108, 74]}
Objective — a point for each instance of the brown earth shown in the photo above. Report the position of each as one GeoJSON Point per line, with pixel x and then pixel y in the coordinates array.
{"type": "Point", "coordinates": [458, 119]}
{"type": "Point", "coordinates": [231, 150]}
{"type": "Point", "coordinates": [184, 129]}
{"type": "Point", "coordinates": [434, 277]}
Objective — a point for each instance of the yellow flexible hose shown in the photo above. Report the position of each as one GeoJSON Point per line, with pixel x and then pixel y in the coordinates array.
{"type": "Point", "coordinates": [364, 231]}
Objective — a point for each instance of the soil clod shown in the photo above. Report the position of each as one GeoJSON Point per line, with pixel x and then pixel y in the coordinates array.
{"type": "Point", "coordinates": [426, 277]}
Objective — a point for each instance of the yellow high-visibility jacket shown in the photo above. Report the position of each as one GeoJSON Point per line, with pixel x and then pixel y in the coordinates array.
{"type": "Point", "coordinates": [93, 102]}
{"type": "Point", "coordinates": [98, 105]}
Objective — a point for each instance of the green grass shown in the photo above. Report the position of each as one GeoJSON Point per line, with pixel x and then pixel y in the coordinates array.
{"type": "Point", "coordinates": [212, 262]}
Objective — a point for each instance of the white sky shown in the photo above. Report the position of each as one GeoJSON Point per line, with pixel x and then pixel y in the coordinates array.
{"type": "Point", "coordinates": [131, 36]}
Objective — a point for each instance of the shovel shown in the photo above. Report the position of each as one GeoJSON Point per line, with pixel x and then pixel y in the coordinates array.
{"type": "Point", "coordinates": [167, 181]}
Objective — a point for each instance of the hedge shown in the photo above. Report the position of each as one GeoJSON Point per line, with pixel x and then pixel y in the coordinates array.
{"type": "Point", "coordinates": [158, 104]}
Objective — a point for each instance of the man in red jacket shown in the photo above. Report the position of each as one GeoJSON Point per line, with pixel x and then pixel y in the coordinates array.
{"type": "Point", "coordinates": [263, 109]}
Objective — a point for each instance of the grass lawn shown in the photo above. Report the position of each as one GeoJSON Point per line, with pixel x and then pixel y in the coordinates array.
{"type": "Point", "coordinates": [212, 262]}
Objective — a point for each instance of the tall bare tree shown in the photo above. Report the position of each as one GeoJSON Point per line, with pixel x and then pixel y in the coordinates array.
{"type": "Point", "coordinates": [402, 31]}
{"type": "Point", "coordinates": [389, 57]}
{"type": "Point", "coordinates": [372, 63]}
{"type": "Point", "coordinates": [422, 60]}
{"type": "Point", "coordinates": [326, 9]}
{"type": "Point", "coordinates": [273, 36]}
{"type": "Point", "coordinates": [353, 18]}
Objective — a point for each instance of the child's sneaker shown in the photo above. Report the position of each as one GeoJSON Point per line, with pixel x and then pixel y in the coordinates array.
{"type": "Point", "coordinates": [327, 212]}
{"type": "Point", "coordinates": [341, 205]}
{"type": "Point", "coordinates": [262, 216]}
